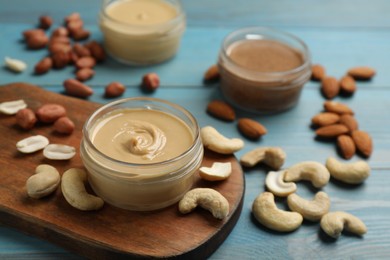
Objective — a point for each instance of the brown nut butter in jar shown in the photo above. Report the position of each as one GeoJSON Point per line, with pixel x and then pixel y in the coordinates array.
{"type": "Point", "coordinates": [263, 70]}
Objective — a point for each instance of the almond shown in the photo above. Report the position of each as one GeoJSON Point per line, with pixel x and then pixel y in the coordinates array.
{"type": "Point", "coordinates": [346, 146]}
{"type": "Point", "coordinates": [331, 130]}
{"type": "Point", "coordinates": [363, 142]}
{"type": "Point", "coordinates": [348, 85]}
{"type": "Point", "coordinates": [251, 128]}
{"type": "Point", "coordinates": [349, 121]}
{"type": "Point", "coordinates": [337, 107]}
{"type": "Point", "coordinates": [317, 72]}
{"type": "Point", "coordinates": [325, 118]}
{"type": "Point", "coordinates": [330, 87]}
{"type": "Point", "coordinates": [211, 74]}
{"type": "Point", "coordinates": [221, 110]}
{"type": "Point", "coordinates": [362, 73]}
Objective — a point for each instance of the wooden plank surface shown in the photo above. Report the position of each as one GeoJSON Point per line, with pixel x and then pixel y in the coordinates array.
{"type": "Point", "coordinates": [339, 33]}
{"type": "Point", "coordinates": [110, 232]}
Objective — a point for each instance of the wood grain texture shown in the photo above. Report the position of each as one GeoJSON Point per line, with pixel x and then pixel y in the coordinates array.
{"type": "Point", "coordinates": [110, 232]}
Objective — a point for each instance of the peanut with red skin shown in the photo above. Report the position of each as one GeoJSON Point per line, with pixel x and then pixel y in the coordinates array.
{"type": "Point", "coordinates": [75, 88]}
{"type": "Point", "coordinates": [85, 62]}
{"type": "Point", "coordinates": [43, 66]}
{"type": "Point", "coordinates": [26, 118]}
{"type": "Point", "coordinates": [96, 50]}
{"type": "Point", "coordinates": [37, 41]}
{"type": "Point", "coordinates": [64, 125]}
{"type": "Point", "coordinates": [60, 31]}
{"type": "Point", "coordinates": [32, 32]}
{"type": "Point", "coordinates": [80, 34]}
{"type": "Point", "coordinates": [81, 50]}
{"type": "Point", "coordinates": [60, 59]}
{"type": "Point", "coordinates": [114, 89]}
{"type": "Point", "coordinates": [150, 81]}
{"type": "Point", "coordinates": [45, 22]}
{"type": "Point", "coordinates": [49, 113]}
{"type": "Point", "coordinates": [85, 74]}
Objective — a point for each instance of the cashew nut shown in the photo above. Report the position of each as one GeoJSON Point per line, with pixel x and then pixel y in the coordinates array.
{"type": "Point", "coordinates": [73, 189]}
{"type": "Point", "coordinates": [272, 156]}
{"type": "Point", "coordinates": [217, 172]}
{"type": "Point", "coordinates": [311, 210]}
{"type": "Point", "coordinates": [208, 199]}
{"type": "Point", "coordinates": [353, 173]}
{"type": "Point", "coordinates": [266, 212]}
{"type": "Point", "coordinates": [314, 172]}
{"type": "Point", "coordinates": [45, 180]}
{"type": "Point", "coordinates": [216, 142]}
{"type": "Point", "coordinates": [333, 224]}
{"type": "Point", "coordinates": [275, 184]}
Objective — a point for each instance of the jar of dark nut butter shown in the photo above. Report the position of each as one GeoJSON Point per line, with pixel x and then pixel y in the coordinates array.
{"type": "Point", "coordinates": [263, 70]}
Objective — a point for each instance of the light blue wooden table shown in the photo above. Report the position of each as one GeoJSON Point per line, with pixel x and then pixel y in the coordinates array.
{"type": "Point", "coordinates": [339, 33]}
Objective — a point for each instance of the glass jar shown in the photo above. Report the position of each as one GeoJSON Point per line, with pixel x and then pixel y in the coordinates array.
{"type": "Point", "coordinates": [141, 187]}
{"type": "Point", "coordinates": [263, 91]}
{"type": "Point", "coordinates": [142, 44]}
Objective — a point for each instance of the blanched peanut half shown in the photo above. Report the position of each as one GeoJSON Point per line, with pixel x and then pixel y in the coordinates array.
{"type": "Point", "coordinates": [311, 171]}
{"type": "Point", "coordinates": [216, 142]}
{"type": "Point", "coordinates": [32, 144]}
{"type": "Point", "coordinates": [14, 64]}
{"type": "Point", "coordinates": [266, 212]}
{"type": "Point", "coordinates": [45, 180]}
{"type": "Point", "coordinates": [59, 152]}
{"type": "Point", "coordinates": [73, 189]}
{"type": "Point", "coordinates": [275, 184]}
{"type": "Point", "coordinates": [12, 107]}
{"type": "Point", "coordinates": [208, 199]}
{"type": "Point", "coordinates": [311, 210]}
{"type": "Point", "coordinates": [333, 223]}
{"type": "Point", "coordinates": [217, 172]}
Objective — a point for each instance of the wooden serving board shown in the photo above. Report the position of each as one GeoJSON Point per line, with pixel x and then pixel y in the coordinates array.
{"type": "Point", "coordinates": [109, 232]}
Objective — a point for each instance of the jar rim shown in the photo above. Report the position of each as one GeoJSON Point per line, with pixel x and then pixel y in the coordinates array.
{"type": "Point", "coordinates": [267, 31]}
{"type": "Point", "coordinates": [88, 123]}
{"type": "Point", "coordinates": [180, 16]}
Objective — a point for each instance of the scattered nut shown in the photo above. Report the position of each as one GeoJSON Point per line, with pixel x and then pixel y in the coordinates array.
{"type": "Point", "coordinates": [349, 121]}
{"type": "Point", "coordinates": [348, 85]}
{"type": "Point", "coordinates": [49, 113]}
{"type": "Point", "coordinates": [60, 31]}
{"type": "Point", "coordinates": [206, 198]}
{"type": "Point", "coordinates": [64, 125]}
{"type": "Point", "coordinates": [80, 34]}
{"type": "Point", "coordinates": [221, 110]}
{"type": "Point", "coordinates": [75, 88]}
{"type": "Point", "coordinates": [363, 142]}
{"type": "Point", "coordinates": [274, 157]}
{"type": "Point", "coordinates": [251, 128]}
{"type": "Point", "coordinates": [96, 50]}
{"type": "Point", "coordinates": [60, 59]}
{"type": "Point", "coordinates": [59, 152]}
{"type": "Point", "coordinates": [266, 212]}
{"type": "Point", "coordinates": [45, 181]}
{"type": "Point", "coordinates": [331, 131]}
{"type": "Point", "coordinates": [85, 62]}
{"type": "Point", "coordinates": [26, 118]}
{"type": "Point", "coordinates": [15, 65]}
{"type": "Point", "coordinates": [45, 22]}
{"type": "Point", "coordinates": [73, 189]}
{"type": "Point", "coordinates": [333, 223]}
{"type": "Point", "coordinates": [352, 173]}
{"type": "Point", "coordinates": [337, 107]}
{"type": "Point", "coordinates": [216, 142]}
{"type": "Point", "coordinates": [150, 81]}
{"type": "Point", "coordinates": [84, 74]}
{"type": "Point", "coordinates": [12, 107]}
{"type": "Point", "coordinates": [275, 184]}
{"type": "Point", "coordinates": [346, 146]}
{"type": "Point", "coordinates": [217, 172]}
{"type": "Point", "coordinates": [330, 87]}
{"type": "Point", "coordinates": [311, 210]}
{"type": "Point", "coordinates": [362, 73]}
{"type": "Point", "coordinates": [325, 118]}
{"type": "Point", "coordinates": [37, 41]}
{"type": "Point", "coordinates": [114, 89]}
{"type": "Point", "coordinates": [44, 65]}
{"type": "Point", "coordinates": [32, 144]}
{"type": "Point", "coordinates": [211, 74]}
{"type": "Point", "coordinates": [81, 50]}
{"type": "Point", "coordinates": [311, 171]}
{"type": "Point", "coordinates": [33, 32]}
{"type": "Point", "coordinates": [317, 72]}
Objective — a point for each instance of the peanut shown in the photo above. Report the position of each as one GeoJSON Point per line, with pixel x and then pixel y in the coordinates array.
{"type": "Point", "coordinates": [49, 113]}
{"type": "Point", "coordinates": [84, 74]}
{"type": "Point", "coordinates": [43, 66]}
{"type": "Point", "coordinates": [37, 41]}
{"type": "Point", "coordinates": [64, 125]}
{"type": "Point", "coordinates": [81, 50]}
{"type": "Point", "coordinates": [96, 50]}
{"type": "Point", "coordinates": [114, 89]}
{"type": "Point", "coordinates": [60, 59]}
{"type": "Point", "coordinates": [60, 31]}
{"type": "Point", "coordinates": [80, 34]}
{"type": "Point", "coordinates": [150, 81]}
{"type": "Point", "coordinates": [33, 32]}
{"type": "Point", "coordinates": [75, 88]}
{"type": "Point", "coordinates": [85, 62]}
{"type": "Point", "coordinates": [45, 22]}
{"type": "Point", "coordinates": [26, 118]}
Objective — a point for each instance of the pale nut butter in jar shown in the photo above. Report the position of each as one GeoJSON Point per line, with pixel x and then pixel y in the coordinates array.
{"type": "Point", "coordinates": [142, 32]}
{"type": "Point", "coordinates": [141, 153]}
{"type": "Point", "coordinates": [263, 70]}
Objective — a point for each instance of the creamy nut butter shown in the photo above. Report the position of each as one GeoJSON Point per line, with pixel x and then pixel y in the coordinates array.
{"type": "Point", "coordinates": [142, 31]}
{"type": "Point", "coordinates": [141, 153]}
{"type": "Point", "coordinates": [263, 70]}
